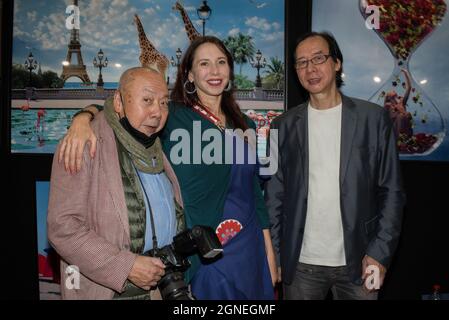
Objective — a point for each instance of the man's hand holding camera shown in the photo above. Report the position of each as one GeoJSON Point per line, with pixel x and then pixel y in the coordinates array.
{"type": "Point", "coordinates": [146, 272]}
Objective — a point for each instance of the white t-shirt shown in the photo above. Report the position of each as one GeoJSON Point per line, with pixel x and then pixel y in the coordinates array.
{"type": "Point", "coordinates": [323, 242]}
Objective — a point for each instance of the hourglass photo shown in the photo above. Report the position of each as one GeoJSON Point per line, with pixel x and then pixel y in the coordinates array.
{"type": "Point", "coordinates": [395, 55]}
{"type": "Point", "coordinates": [403, 27]}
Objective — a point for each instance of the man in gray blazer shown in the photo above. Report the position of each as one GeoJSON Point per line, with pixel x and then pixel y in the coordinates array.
{"type": "Point", "coordinates": [336, 200]}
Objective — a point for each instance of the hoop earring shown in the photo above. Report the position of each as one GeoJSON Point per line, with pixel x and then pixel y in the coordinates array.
{"type": "Point", "coordinates": [228, 87]}
{"type": "Point", "coordinates": [185, 87]}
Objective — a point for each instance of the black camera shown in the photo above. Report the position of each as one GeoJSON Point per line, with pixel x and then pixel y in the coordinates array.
{"type": "Point", "coordinates": [200, 239]}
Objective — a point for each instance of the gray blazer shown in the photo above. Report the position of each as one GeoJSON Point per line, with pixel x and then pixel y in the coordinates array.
{"type": "Point", "coordinates": [371, 193]}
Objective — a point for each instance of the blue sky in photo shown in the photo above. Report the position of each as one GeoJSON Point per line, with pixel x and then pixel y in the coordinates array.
{"type": "Point", "coordinates": [366, 56]}
{"type": "Point", "coordinates": [39, 25]}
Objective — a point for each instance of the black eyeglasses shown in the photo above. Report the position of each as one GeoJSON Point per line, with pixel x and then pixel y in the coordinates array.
{"type": "Point", "coordinates": [318, 59]}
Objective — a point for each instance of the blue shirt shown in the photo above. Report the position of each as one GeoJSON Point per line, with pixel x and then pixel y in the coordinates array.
{"type": "Point", "coordinates": [159, 191]}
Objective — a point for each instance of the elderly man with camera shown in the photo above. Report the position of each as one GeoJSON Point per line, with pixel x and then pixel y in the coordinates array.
{"type": "Point", "coordinates": [123, 203]}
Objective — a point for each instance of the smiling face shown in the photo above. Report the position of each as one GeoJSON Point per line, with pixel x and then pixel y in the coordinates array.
{"type": "Point", "coordinates": [144, 100]}
{"type": "Point", "coordinates": [320, 78]}
{"type": "Point", "coordinates": [210, 70]}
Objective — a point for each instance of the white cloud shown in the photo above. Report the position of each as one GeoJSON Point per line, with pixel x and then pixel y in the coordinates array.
{"type": "Point", "coordinates": [214, 33]}
{"type": "Point", "coordinates": [176, 38]}
{"type": "Point", "coordinates": [273, 37]}
{"type": "Point", "coordinates": [19, 32]}
{"type": "Point", "coordinates": [119, 3]}
{"type": "Point", "coordinates": [260, 23]}
{"type": "Point", "coordinates": [119, 41]}
{"type": "Point", "coordinates": [198, 22]}
{"type": "Point", "coordinates": [190, 9]}
{"type": "Point", "coordinates": [149, 11]}
{"type": "Point", "coordinates": [233, 32]}
{"type": "Point", "coordinates": [107, 26]}
{"type": "Point", "coordinates": [17, 7]}
{"type": "Point", "coordinates": [17, 28]}
{"type": "Point", "coordinates": [49, 30]}
{"type": "Point", "coordinates": [31, 15]}
{"type": "Point", "coordinates": [102, 25]}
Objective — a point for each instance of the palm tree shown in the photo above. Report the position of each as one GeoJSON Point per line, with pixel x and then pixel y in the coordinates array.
{"type": "Point", "coordinates": [241, 47]}
{"type": "Point", "coordinates": [275, 73]}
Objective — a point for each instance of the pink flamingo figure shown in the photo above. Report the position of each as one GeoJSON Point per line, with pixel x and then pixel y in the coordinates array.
{"type": "Point", "coordinates": [40, 115]}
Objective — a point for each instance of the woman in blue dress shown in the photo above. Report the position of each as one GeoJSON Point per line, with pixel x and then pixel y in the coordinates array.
{"type": "Point", "coordinates": [226, 195]}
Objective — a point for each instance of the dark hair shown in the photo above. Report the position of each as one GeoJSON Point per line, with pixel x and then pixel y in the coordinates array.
{"type": "Point", "coordinates": [228, 104]}
{"type": "Point", "coordinates": [334, 50]}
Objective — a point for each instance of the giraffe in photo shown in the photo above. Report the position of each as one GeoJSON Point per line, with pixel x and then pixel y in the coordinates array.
{"type": "Point", "coordinates": [149, 55]}
{"type": "Point", "coordinates": [192, 33]}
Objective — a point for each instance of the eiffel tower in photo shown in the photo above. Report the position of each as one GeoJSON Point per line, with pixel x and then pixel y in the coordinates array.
{"type": "Point", "coordinates": [78, 69]}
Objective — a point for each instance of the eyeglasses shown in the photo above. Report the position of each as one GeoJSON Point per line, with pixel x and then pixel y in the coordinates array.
{"type": "Point", "coordinates": [318, 59]}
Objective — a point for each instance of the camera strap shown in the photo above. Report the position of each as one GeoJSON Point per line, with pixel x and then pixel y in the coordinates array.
{"type": "Point", "coordinates": [153, 228]}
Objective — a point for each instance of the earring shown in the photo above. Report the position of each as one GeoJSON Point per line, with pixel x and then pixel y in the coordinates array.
{"type": "Point", "coordinates": [185, 87]}
{"type": "Point", "coordinates": [228, 87]}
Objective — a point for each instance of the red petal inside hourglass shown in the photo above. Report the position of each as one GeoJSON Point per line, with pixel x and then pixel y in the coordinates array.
{"type": "Point", "coordinates": [404, 24]}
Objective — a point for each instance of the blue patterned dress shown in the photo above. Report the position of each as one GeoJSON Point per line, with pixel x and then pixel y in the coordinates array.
{"type": "Point", "coordinates": [242, 272]}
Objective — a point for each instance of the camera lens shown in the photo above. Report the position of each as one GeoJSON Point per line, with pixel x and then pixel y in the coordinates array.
{"type": "Point", "coordinates": [173, 287]}
{"type": "Point", "coordinates": [196, 231]}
